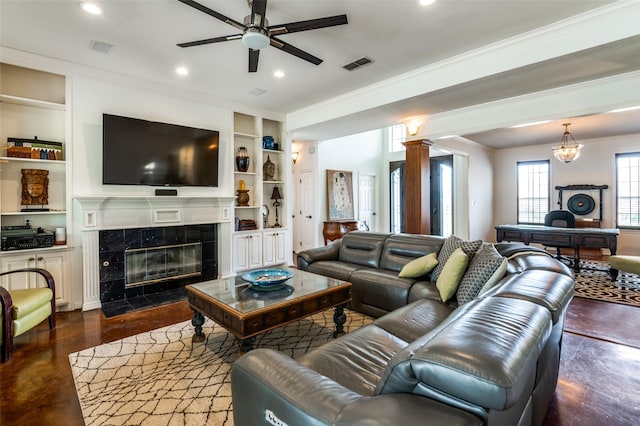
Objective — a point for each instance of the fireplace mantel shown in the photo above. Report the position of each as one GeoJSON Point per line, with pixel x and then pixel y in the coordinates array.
{"type": "Point", "coordinates": [100, 212]}
{"type": "Point", "coordinates": [114, 212]}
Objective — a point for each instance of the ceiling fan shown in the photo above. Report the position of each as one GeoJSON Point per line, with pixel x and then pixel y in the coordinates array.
{"type": "Point", "coordinates": [257, 33]}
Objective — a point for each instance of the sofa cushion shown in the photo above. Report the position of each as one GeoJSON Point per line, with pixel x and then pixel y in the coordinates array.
{"type": "Point", "coordinates": [419, 267]}
{"type": "Point", "coordinates": [362, 356]}
{"type": "Point", "coordinates": [426, 290]}
{"type": "Point", "coordinates": [451, 274]}
{"type": "Point", "coordinates": [334, 269]}
{"type": "Point", "coordinates": [399, 249]}
{"type": "Point", "coordinates": [362, 248]}
{"type": "Point", "coordinates": [481, 272]}
{"type": "Point", "coordinates": [450, 245]}
{"type": "Point", "coordinates": [415, 319]}
{"type": "Point", "coordinates": [501, 341]}
{"type": "Point", "coordinates": [380, 288]}
{"type": "Point", "coordinates": [544, 288]}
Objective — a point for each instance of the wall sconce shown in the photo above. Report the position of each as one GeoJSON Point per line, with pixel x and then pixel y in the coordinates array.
{"type": "Point", "coordinates": [294, 156]}
{"type": "Point", "coordinates": [413, 124]}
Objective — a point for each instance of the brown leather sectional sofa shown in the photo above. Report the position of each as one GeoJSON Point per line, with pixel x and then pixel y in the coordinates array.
{"type": "Point", "coordinates": [491, 361]}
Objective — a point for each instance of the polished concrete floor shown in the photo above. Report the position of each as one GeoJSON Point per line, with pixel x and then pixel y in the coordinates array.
{"type": "Point", "coordinates": [599, 375]}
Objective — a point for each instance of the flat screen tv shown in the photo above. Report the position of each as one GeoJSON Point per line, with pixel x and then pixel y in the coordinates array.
{"type": "Point", "coordinates": [142, 152]}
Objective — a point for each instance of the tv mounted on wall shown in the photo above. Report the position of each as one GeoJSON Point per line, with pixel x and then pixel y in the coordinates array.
{"type": "Point", "coordinates": [142, 152]}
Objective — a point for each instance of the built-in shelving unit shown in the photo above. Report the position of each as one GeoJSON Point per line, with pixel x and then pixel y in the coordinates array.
{"type": "Point", "coordinates": [32, 104]}
{"type": "Point", "coordinates": [266, 244]}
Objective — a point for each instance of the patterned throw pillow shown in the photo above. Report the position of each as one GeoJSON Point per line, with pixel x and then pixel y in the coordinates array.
{"type": "Point", "coordinates": [419, 267]}
{"type": "Point", "coordinates": [450, 245]}
{"type": "Point", "coordinates": [452, 273]}
{"type": "Point", "coordinates": [482, 269]}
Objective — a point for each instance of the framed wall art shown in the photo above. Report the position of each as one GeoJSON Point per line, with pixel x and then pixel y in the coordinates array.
{"type": "Point", "coordinates": [340, 195]}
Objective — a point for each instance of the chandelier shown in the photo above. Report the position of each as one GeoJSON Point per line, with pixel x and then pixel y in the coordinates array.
{"type": "Point", "coordinates": [566, 152]}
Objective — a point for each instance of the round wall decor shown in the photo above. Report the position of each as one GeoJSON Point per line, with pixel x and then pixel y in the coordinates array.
{"type": "Point", "coordinates": [581, 204]}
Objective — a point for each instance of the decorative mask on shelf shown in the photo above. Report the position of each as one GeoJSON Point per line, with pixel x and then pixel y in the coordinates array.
{"type": "Point", "coordinates": [35, 187]}
{"type": "Point", "coordinates": [269, 169]}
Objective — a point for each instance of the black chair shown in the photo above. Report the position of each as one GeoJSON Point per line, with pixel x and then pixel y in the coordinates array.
{"type": "Point", "coordinates": [561, 219]}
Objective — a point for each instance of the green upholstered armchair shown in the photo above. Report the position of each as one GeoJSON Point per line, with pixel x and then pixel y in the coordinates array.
{"type": "Point", "coordinates": [21, 310]}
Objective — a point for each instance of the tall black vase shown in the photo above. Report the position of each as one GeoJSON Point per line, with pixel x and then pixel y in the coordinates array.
{"type": "Point", "coordinates": [242, 160]}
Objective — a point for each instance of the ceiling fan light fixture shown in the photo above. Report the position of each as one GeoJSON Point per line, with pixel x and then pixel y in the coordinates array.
{"type": "Point", "coordinates": [255, 38]}
{"type": "Point", "coordinates": [567, 152]}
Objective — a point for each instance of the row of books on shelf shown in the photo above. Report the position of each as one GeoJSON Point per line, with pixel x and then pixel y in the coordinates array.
{"type": "Point", "coordinates": [34, 148]}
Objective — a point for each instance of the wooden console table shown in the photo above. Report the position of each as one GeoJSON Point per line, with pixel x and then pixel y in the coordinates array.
{"type": "Point", "coordinates": [334, 230]}
{"type": "Point", "coordinates": [553, 236]}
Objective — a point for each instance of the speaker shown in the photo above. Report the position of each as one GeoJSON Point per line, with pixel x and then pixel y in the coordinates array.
{"type": "Point", "coordinates": [172, 192]}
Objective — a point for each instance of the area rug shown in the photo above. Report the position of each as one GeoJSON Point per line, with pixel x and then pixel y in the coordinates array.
{"type": "Point", "coordinates": [162, 378]}
{"type": "Point", "coordinates": [594, 282]}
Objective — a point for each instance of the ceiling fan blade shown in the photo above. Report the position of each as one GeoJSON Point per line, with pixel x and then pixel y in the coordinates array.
{"type": "Point", "coordinates": [311, 24]}
{"type": "Point", "coordinates": [210, 40]}
{"type": "Point", "coordinates": [286, 47]}
{"type": "Point", "coordinates": [258, 7]}
{"type": "Point", "coordinates": [253, 60]}
{"type": "Point", "coordinates": [213, 13]}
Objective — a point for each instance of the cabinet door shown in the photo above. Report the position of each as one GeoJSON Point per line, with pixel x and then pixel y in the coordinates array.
{"type": "Point", "coordinates": [18, 281]}
{"type": "Point", "coordinates": [56, 264]}
{"type": "Point", "coordinates": [281, 247]}
{"type": "Point", "coordinates": [255, 250]}
{"type": "Point", "coordinates": [248, 251]}
{"type": "Point", "coordinates": [274, 248]}
{"type": "Point", "coordinates": [241, 252]}
{"type": "Point", "coordinates": [268, 248]}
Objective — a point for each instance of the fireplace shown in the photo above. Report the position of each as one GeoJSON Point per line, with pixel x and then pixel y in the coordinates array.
{"type": "Point", "coordinates": [140, 262]}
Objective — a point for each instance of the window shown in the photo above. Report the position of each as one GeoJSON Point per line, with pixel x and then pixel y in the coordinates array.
{"type": "Point", "coordinates": [533, 191]}
{"type": "Point", "coordinates": [397, 135]}
{"type": "Point", "coordinates": [628, 190]}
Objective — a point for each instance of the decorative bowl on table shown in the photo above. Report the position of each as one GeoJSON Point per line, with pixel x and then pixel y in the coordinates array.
{"type": "Point", "coordinates": [267, 278]}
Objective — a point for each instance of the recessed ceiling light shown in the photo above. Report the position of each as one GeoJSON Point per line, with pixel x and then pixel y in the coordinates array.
{"type": "Point", "coordinates": [534, 123]}
{"type": "Point", "coordinates": [91, 8]}
{"type": "Point", "coordinates": [632, 108]}
{"type": "Point", "coordinates": [426, 2]}
{"type": "Point", "coordinates": [182, 71]}
{"type": "Point", "coordinates": [278, 74]}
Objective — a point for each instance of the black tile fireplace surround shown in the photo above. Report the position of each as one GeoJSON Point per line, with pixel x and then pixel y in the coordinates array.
{"type": "Point", "coordinates": [116, 298]}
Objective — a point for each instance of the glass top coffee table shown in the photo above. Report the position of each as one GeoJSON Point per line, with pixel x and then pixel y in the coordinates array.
{"type": "Point", "coordinates": [247, 310]}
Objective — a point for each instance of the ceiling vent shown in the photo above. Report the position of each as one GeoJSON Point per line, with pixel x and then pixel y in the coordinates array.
{"type": "Point", "coordinates": [257, 91]}
{"type": "Point", "coordinates": [101, 47]}
{"type": "Point", "coordinates": [357, 63]}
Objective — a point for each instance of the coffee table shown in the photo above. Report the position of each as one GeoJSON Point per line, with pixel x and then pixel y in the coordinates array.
{"type": "Point", "coordinates": [247, 312]}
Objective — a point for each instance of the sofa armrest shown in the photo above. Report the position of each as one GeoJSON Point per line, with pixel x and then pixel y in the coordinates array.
{"type": "Point", "coordinates": [329, 252]}
{"type": "Point", "coordinates": [403, 409]}
{"type": "Point", "coordinates": [268, 384]}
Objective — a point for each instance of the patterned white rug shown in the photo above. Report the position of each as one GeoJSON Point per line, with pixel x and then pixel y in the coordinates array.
{"type": "Point", "coordinates": [594, 282]}
{"type": "Point", "coordinates": [161, 378]}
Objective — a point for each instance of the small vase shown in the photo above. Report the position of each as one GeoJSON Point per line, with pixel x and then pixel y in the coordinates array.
{"type": "Point", "coordinates": [243, 197]}
{"type": "Point", "coordinates": [242, 159]}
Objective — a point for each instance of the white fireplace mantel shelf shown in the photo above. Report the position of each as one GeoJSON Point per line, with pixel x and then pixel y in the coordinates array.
{"type": "Point", "coordinates": [115, 212]}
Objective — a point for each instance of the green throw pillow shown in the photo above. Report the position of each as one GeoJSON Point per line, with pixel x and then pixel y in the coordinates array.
{"type": "Point", "coordinates": [451, 274]}
{"type": "Point", "coordinates": [419, 266]}
{"type": "Point", "coordinates": [450, 244]}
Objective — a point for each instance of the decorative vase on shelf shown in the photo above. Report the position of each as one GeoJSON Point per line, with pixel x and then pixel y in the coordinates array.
{"type": "Point", "coordinates": [242, 159]}
{"type": "Point", "coordinates": [269, 169]}
{"type": "Point", "coordinates": [243, 197]}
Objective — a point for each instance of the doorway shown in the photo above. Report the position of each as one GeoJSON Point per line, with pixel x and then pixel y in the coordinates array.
{"type": "Point", "coordinates": [367, 201]}
{"type": "Point", "coordinates": [441, 195]}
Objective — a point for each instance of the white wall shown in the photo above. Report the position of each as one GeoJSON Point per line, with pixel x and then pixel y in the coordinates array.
{"type": "Point", "coordinates": [596, 166]}
{"type": "Point", "coordinates": [92, 98]}
{"type": "Point", "coordinates": [360, 153]}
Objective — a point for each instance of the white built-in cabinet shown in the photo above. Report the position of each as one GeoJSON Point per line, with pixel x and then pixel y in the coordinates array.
{"type": "Point", "coordinates": [247, 250]}
{"type": "Point", "coordinates": [267, 244]}
{"type": "Point", "coordinates": [32, 104]}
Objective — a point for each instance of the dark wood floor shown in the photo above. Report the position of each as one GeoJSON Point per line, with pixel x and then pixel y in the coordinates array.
{"type": "Point", "coordinates": [599, 375]}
